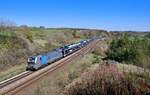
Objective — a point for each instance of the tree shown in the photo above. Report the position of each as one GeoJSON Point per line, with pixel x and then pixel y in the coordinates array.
{"type": "Point", "coordinates": [74, 33]}
{"type": "Point", "coordinates": [42, 27]}
{"type": "Point", "coordinates": [6, 24]}
{"type": "Point", "coordinates": [24, 26]}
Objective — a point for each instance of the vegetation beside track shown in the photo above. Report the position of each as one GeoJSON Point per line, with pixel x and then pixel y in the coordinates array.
{"type": "Point", "coordinates": [18, 43]}
{"type": "Point", "coordinates": [128, 77]}
{"type": "Point", "coordinates": [130, 50]}
{"type": "Point", "coordinates": [17, 69]}
{"type": "Point", "coordinates": [107, 79]}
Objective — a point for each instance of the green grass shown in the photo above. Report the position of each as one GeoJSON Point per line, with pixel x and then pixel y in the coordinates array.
{"type": "Point", "coordinates": [43, 33]}
{"type": "Point", "coordinates": [7, 34]}
{"type": "Point", "coordinates": [4, 45]}
{"type": "Point", "coordinates": [12, 71]}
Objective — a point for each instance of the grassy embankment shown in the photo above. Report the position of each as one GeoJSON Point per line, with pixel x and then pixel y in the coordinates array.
{"type": "Point", "coordinates": [20, 43]}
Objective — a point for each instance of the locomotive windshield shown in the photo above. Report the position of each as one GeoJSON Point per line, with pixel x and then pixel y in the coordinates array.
{"type": "Point", "coordinates": [65, 46]}
{"type": "Point", "coordinates": [32, 60]}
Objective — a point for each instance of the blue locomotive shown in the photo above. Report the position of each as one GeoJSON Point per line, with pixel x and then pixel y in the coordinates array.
{"type": "Point", "coordinates": [39, 61]}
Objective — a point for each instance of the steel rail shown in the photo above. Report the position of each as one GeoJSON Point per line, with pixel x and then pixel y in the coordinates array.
{"type": "Point", "coordinates": [15, 78]}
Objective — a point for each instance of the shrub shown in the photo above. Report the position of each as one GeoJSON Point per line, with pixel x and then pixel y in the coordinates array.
{"type": "Point", "coordinates": [7, 34]}
{"type": "Point", "coordinates": [96, 59]}
{"type": "Point", "coordinates": [105, 80]}
{"type": "Point", "coordinates": [134, 50]}
{"type": "Point", "coordinates": [29, 37]}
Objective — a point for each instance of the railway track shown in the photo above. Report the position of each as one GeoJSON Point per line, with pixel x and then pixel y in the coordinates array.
{"type": "Point", "coordinates": [18, 82]}
{"type": "Point", "coordinates": [15, 78]}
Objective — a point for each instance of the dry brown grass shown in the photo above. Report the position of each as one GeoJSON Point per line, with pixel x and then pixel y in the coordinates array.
{"type": "Point", "coordinates": [105, 80]}
{"type": "Point", "coordinates": [15, 53]}
{"type": "Point", "coordinates": [12, 71]}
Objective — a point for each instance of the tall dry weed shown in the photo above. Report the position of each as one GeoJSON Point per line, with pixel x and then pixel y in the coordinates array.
{"type": "Point", "coordinates": [105, 80]}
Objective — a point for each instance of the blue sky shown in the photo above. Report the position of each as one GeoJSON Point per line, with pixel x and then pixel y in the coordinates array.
{"type": "Point", "coordinates": [101, 14]}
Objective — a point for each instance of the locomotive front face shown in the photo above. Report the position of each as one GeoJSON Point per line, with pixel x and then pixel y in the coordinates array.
{"type": "Point", "coordinates": [32, 61]}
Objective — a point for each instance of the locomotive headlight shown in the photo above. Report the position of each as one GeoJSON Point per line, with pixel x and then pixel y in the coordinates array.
{"type": "Point", "coordinates": [35, 59]}
{"type": "Point", "coordinates": [28, 60]}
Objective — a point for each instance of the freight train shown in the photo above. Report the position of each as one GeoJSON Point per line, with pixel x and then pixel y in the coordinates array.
{"type": "Point", "coordinates": [42, 60]}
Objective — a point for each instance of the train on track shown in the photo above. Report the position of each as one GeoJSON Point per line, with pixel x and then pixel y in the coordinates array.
{"type": "Point", "coordinates": [42, 60]}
